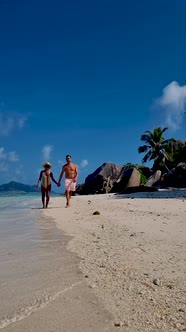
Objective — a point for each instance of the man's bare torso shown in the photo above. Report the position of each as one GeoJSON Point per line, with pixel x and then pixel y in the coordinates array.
{"type": "Point", "coordinates": [70, 171]}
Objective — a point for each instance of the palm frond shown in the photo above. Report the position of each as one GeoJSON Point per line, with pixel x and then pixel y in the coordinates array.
{"type": "Point", "coordinates": [158, 136]}
{"type": "Point", "coordinates": [168, 156]}
{"type": "Point", "coordinates": [144, 137]}
{"type": "Point", "coordinates": [153, 156]}
{"type": "Point", "coordinates": [147, 139]}
{"type": "Point", "coordinates": [167, 141]}
{"type": "Point", "coordinates": [149, 133]}
{"type": "Point", "coordinates": [164, 129]}
{"type": "Point", "coordinates": [143, 148]}
{"type": "Point", "coordinates": [157, 147]}
{"type": "Point", "coordinates": [146, 157]}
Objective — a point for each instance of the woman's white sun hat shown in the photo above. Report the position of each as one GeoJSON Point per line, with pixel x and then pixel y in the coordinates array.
{"type": "Point", "coordinates": [47, 165]}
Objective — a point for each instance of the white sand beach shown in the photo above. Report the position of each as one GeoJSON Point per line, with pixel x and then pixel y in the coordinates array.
{"type": "Point", "coordinates": [133, 255]}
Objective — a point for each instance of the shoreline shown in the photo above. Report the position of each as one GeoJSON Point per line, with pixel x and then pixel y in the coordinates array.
{"type": "Point", "coordinates": [42, 288]}
{"type": "Point", "coordinates": [132, 255]}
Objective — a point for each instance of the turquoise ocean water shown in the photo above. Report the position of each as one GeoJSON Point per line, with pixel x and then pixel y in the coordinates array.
{"type": "Point", "coordinates": [18, 213]}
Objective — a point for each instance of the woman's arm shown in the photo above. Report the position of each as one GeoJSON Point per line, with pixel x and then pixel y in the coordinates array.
{"type": "Point", "coordinates": [39, 180]}
{"type": "Point", "coordinates": [52, 177]}
{"type": "Point", "coordinates": [61, 175]}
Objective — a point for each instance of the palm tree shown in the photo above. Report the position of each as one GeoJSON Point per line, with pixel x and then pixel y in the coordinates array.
{"type": "Point", "coordinates": [156, 147]}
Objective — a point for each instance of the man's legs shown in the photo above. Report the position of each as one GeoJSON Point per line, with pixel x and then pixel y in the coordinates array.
{"type": "Point", "coordinates": [68, 196]}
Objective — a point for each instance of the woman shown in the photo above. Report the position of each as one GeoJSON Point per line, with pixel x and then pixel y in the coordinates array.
{"type": "Point", "coordinates": [45, 178]}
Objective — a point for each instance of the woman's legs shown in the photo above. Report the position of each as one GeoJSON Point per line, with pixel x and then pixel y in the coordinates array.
{"type": "Point", "coordinates": [43, 196]}
{"type": "Point", "coordinates": [47, 197]}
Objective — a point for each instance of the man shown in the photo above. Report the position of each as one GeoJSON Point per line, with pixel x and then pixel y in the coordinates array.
{"type": "Point", "coordinates": [71, 174]}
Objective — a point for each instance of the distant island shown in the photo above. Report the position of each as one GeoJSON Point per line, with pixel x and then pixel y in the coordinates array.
{"type": "Point", "coordinates": [17, 187]}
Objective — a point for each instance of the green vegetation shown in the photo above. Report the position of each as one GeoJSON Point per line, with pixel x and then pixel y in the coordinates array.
{"type": "Point", "coordinates": [143, 178]}
{"type": "Point", "coordinates": [166, 153]}
{"type": "Point", "coordinates": [157, 148]}
{"type": "Point", "coordinates": [179, 155]}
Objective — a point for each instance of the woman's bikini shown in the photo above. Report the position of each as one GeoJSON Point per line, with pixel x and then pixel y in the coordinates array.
{"type": "Point", "coordinates": [45, 181]}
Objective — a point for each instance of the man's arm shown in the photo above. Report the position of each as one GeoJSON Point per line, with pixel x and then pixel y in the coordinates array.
{"type": "Point", "coordinates": [76, 173]}
{"type": "Point", "coordinates": [61, 175]}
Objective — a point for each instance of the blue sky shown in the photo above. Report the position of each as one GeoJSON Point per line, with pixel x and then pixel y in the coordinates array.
{"type": "Point", "coordinates": [87, 78]}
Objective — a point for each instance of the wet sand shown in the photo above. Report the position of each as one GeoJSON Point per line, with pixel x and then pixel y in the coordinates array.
{"type": "Point", "coordinates": [41, 286]}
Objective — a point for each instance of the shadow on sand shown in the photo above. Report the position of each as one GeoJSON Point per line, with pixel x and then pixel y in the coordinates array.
{"type": "Point", "coordinates": [160, 194]}
{"type": "Point", "coordinates": [41, 208]}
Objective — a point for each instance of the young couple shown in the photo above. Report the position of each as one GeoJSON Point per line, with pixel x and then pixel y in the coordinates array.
{"type": "Point", "coordinates": [71, 174]}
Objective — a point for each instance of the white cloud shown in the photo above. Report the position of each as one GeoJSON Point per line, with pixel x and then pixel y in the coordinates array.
{"type": "Point", "coordinates": [6, 159]}
{"type": "Point", "coordinates": [6, 125]}
{"type": "Point", "coordinates": [46, 152]}
{"type": "Point", "coordinates": [172, 103]}
{"type": "Point", "coordinates": [8, 156]}
{"type": "Point", "coordinates": [17, 174]}
{"type": "Point", "coordinates": [60, 162]}
{"type": "Point", "coordinates": [84, 163]}
{"type": "Point", "coordinates": [12, 156]}
{"type": "Point", "coordinates": [18, 171]}
{"type": "Point", "coordinates": [10, 121]}
{"type": "Point", "coordinates": [21, 122]}
{"type": "Point", "coordinates": [2, 154]}
{"type": "Point", "coordinates": [3, 166]}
